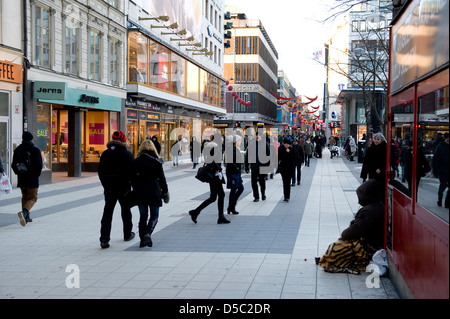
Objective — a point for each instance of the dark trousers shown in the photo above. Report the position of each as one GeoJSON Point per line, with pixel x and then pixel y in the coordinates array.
{"type": "Point", "coordinates": [144, 227]}
{"type": "Point", "coordinates": [443, 184]}
{"type": "Point", "coordinates": [298, 169]}
{"type": "Point", "coordinates": [256, 178]}
{"type": "Point", "coordinates": [111, 198]}
{"type": "Point", "coordinates": [216, 192]}
{"type": "Point", "coordinates": [233, 198]}
{"type": "Point", "coordinates": [286, 177]}
{"type": "Point", "coordinates": [307, 160]}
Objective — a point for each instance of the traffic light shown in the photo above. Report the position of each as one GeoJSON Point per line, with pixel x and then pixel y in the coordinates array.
{"type": "Point", "coordinates": [227, 15]}
{"type": "Point", "coordinates": [228, 26]}
{"type": "Point", "coordinates": [227, 35]}
{"type": "Point", "coordinates": [237, 124]}
{"type": "Point", "coordinates": [227, 44]}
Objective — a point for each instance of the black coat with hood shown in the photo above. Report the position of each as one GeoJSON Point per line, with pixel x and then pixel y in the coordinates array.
{"type": "Point", "coordinates": [30, 179]}
{"type": "Point", "coordinates": [149, 183]}
{"type": "Point", "coordinates": [115, 169]}
{"type": "Point", "coordinates": [369, 220]}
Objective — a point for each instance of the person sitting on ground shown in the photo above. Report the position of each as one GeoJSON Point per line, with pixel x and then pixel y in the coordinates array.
{"type": "Point", "coordinates": [354, 250]}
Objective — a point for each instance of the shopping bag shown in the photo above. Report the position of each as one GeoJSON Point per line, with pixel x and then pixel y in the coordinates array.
{"type": "Point", "coordinates": [5, 184]}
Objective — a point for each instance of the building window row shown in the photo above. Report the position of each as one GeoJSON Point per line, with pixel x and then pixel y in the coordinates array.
{"type": "Point", "coordinates": [153, 65]}
{"type": "Point", "coordinates": [44, 47]}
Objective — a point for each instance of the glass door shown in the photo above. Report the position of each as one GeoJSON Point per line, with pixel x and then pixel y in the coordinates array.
{"type": "Point", "coordinates": [4, 130]}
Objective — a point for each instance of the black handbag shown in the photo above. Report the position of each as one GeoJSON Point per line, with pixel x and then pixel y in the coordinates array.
{"type": "Point", "coordinates": [204, 174]}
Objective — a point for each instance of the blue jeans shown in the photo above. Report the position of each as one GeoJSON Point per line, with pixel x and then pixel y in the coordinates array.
{"type": "Point", "coordinates": [144, 227]}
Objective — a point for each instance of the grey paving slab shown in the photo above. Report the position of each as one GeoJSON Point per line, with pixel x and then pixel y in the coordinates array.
{"type": "Point", "coordinates": [267, 252]}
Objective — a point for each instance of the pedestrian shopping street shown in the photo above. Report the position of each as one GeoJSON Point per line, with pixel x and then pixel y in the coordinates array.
{"type": "Point", "coordinates": [267, 251]}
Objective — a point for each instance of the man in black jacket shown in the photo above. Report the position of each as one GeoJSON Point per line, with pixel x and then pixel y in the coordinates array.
{"type": "Point", "coordinates": [115, 171]}
{"type": "Point", "coordinates": [29, 157]}
{"type": "Point", "coordinates": [259, 164]}
{"type": "Point", "coordinates": [299, 160]}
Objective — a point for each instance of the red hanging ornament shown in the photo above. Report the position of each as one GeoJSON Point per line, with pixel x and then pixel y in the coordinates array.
{"type": "Point", "coordinates": [230, 88]}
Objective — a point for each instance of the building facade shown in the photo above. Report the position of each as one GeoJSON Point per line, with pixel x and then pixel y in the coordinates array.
{"type": "Point", "coordinates": [75, 82]}
{"type": "Point", "coordinates": [365, 97]}
{"type": "Point", "coordinates": [251, 67]}
{"type": "Point", "coordinates": [287, 120]}
{"type": "Point", "coordinates": [11, 81]}
{"type": "Point", "coordinates": [175, 84]}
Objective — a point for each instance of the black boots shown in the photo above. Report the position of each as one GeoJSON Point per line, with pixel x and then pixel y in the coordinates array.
{"type": "Point", "coordinates": [222, 220]}
{"type": "Point", "coordinates": [194, 215]}
{"type": "Point", "coordinates": [145, 233]}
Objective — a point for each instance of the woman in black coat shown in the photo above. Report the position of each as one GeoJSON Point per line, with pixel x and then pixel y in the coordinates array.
{"type": "Point", "coordinates": [213, 157]}
{"type": "Point", "coordinates": [286, 166]}
{"type": "Point", "coordinates": [149, 189]}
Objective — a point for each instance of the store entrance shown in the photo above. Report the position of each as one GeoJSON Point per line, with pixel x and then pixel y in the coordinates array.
{"type": "Point", "coordinates": [60, 140]}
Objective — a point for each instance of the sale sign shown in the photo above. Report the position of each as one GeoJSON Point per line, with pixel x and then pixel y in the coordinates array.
{"type": "Point", "coordinates": [97, 133]}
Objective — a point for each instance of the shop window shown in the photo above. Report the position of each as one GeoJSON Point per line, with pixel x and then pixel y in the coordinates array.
{"type": "Point", "coordinates": [204, 86]}
{"type": "Point", "coordinates": [178, 73]}
{"type": "Point", "coordinates": [60, 136]}
{"type": "Point", "coordinates": [43, 138]}
{"type": "Point", "coordinates": [159, 66]}
{"type": "Point", "coordinates": [432, 153]}
{"type": "Point", "coordinates": [42, 32]}
{"type": "Point", "coordinates": [97, 133]}
{"type": "Point", "coordinates": [137, 58]}
{"type": "Point", "coordinates": [192, 81]}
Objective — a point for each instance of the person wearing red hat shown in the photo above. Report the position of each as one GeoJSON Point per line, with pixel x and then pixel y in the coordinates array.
{"type": "Point", "coordinates": [115, 171]}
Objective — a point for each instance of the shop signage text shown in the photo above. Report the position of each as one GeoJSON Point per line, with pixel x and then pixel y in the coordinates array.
{"type": "Point", "coordinates": [50, 90]}
{"type": "Point", "coordinates": [89, 99]}
{"type": "Point", "coordinates": [10, 72]}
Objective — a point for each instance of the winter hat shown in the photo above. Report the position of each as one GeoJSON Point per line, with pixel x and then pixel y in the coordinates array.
{"type": "Point", "coordinates": [27, 136]}
{"type": "Point", "coordinates": [286, 140]}
{"type": "Point", "coordinates": [119, 136]}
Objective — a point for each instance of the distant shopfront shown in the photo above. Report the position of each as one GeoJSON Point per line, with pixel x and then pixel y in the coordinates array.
{"type": "Point", "coordinates": [147, 119]}
{"type": "Point", "coordinates": [73, 126]}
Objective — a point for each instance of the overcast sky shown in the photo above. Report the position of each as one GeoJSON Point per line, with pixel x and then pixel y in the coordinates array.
{"type": "Point", "coordinates": [296, 31]}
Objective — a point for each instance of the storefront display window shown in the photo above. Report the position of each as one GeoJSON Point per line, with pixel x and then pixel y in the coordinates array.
{"type": "Point", "coordinates": [159, 66]}
{"type": "Point", "coordinates": [205, 82]}
{"type": "Point", "coordinates": [192, 81]}
{"type": "Point", "coordinates": [43, 141]}
{"type": "Point", "coordinates": [177, 74]}
{"type": "Point", "coordinates": [96, 135]}
{"type": "Point", "coordinates": [137, 56]}
{"type": "Point", "coordinates": [60, 136]}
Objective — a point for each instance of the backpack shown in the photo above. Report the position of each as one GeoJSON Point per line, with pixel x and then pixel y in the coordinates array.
{"type": "Point", "coordinates": [23, 165]}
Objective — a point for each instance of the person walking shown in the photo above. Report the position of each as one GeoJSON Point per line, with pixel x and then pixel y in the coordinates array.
{"type": "Point", "coordinates": [195, 149]}
{"type": "Point", "coordinates": [374, 164]}
{"type": "Point", "coordinates": [157, 144]}
{"type": "Point", "coordinates": [258, 165]}
{"type": "Point", "coordinates": [299, 161]}
{"type": "Point", "coordinates": [352, 147]}
{"type": "Point", "coordinates": [175, 151]}
{"type": "Point", "coordinates": [149, 189]}
{"type": "Point", "coordinates": [115, 172]}
{"type": "Point", "coordinates": [440, 169]}
{"type": "Point", "coordinates": [212, 153]}
{"type": "Point", "coordinates": [286, 166]}
{"type": "Point", "coordinates": [233, 163]}
{"type": "Point", "coordinates": [27, 165]}
{"type": "Point", "coordinates": [308, 150]}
